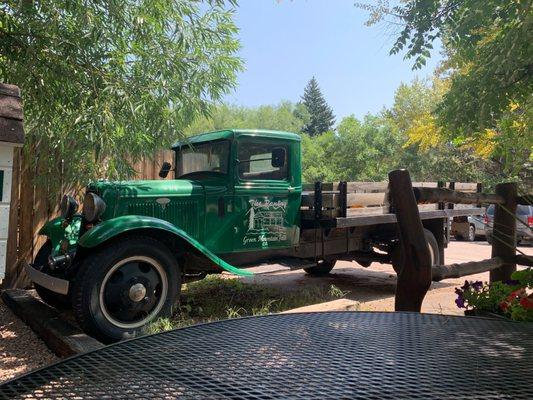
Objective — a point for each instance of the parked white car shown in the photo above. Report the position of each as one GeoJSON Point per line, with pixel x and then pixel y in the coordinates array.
{"type": "Point", "coordinates": [524, 224]}
{"type": "Point", "coordinates": [469, 228]}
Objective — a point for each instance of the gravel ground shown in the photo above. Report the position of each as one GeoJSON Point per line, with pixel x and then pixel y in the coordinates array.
{"type": "Point", "coordinates": [20, 348]}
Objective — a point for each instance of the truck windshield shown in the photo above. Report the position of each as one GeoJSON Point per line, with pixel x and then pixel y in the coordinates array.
{"type": "Point", "coordinates": [204, 157]}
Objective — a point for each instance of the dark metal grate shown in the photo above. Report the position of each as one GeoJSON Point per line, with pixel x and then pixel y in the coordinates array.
{"type": "Point", "coordinates": [304, 356]}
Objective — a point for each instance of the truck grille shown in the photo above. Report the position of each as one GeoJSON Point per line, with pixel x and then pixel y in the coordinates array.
{"type": "Point", "coordinates": [183, 213]}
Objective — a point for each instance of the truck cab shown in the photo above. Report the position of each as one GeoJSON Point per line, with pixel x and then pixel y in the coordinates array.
{"type": "Point", "coordinates": [252, 185]}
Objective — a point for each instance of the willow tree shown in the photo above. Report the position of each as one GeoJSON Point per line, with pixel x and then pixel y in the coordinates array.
{"type": "Point", "coordinates": [106, 82]}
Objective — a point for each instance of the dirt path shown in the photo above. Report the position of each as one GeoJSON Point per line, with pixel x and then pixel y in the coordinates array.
{"type": "Point", "coordinates": [372, 289]}
{"type": "Point", "coordinates": [20, 349]}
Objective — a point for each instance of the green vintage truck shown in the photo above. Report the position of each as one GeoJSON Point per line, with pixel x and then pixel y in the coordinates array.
{"type": "Point", "coordinates": [235, 199]}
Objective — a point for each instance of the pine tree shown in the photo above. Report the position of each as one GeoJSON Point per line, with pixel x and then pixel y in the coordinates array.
{"type": "Point", "coordinates": [321, 118]}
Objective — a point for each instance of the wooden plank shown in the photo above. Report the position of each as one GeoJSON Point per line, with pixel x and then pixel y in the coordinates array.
{"type": "Point", "coordinates": [41, 206]}
{"type": "Point", "coordinates": [26, 227]}
{"type": "Point", "coordinates": [426, 184]}
{"type": "Point", "coordinates": [366, 199]}
{"type": "Point", "coordinates": [367, 211]}
{"type": "Point", "coordinates": [504, 232]}
{"type": "Point", "coordinates": [311, 186]}
{"type": "Point", "coordinates": [9, 90]}
{"type": "Point", "coordinates": [353, 200]}
{"type": "Point", "coordinates": [10, 107]}
{"type": "Point", "coordinates": [414, 278]}
{"type": "Point", "coordinates": [466, 186]}
{"type": "Point", "coordinates": [367, 187]}
{"type": "Point", "coordinates": [428, 207]}
{"type": "Point", "coordinates": [328, 200]}
{"type": "Point", "coordinates": [365, 220]}
{"type": "Point", "coordinates": [364, 187]}
{"type": "Point", "coordinates": [155, 170]}
{"type": "Point", "coordinates": [441, 272]}
{"type": "Point", "coordinates": [62, 337]}
{"type": "Point", "coordinates": [11, 131]}
{"type": "Point", "coordinates": [436, 195]}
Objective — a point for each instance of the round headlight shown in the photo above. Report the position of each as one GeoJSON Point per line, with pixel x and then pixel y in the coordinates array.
{"type": "Point", "coordinates": [93, 207]}
{"type": "Point", "coordinates": [68, 206]}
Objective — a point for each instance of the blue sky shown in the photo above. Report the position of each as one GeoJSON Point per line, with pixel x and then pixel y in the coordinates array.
{"type": "Point", "coordinates": [285, 43]}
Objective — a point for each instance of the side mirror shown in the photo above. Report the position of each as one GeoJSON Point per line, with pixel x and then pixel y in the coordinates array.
{"type": "Point", "coordinates": [278, 157]}
{"type": "Point", "coordinates": [165, 169]}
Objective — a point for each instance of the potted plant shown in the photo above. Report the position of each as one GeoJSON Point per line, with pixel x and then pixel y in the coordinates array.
{"type": "Point", "coordinates": [512, 299]}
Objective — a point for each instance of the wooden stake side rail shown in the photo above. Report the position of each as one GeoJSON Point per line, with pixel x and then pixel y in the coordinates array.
{"type": "Point", "coordinates": [390, 218]}
{"type": "Point", "coordinates": [437, 195]}
{"type": "Point", "coordinates": [358, 200]}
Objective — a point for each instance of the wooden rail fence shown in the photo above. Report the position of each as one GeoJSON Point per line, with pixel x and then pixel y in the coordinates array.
{"type": "Point", "coordinates": [416, 271]}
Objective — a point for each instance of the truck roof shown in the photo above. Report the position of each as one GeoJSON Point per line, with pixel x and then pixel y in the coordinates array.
{"type": "Point", "coordinates": [233, 133]}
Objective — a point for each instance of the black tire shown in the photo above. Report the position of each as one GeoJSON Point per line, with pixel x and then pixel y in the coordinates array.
{"type": "Point", "coordinates": [471, 233]}
{"type": "Point", "coordinates": [322, 268]}
{"type": "Point", "coordinates": [56, 300]}
{"type": "Point", "coordinates": [459, 238]}
{"type": "Point", "coordinates": [396, 254]}
{"type": "Point", "coordinates": [107, 285]}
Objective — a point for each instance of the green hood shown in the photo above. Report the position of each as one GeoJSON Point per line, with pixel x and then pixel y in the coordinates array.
{"type": "Point", "coordinates": [119, 195]}
{"type": "Point", "coordinates": [146, 188]}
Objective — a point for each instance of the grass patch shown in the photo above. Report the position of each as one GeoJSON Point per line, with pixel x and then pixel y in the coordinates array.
{"type": "Point", "coordinates": [215, 298]}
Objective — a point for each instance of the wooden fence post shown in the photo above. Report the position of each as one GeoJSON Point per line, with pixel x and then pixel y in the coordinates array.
{"type": "Point", "coordinates": [414, 278]}
{"type": "Point", "coordinates": [504, 231]}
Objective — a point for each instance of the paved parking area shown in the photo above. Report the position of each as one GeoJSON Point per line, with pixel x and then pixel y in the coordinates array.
{"type": "Point", "coordinates": [373, 288]}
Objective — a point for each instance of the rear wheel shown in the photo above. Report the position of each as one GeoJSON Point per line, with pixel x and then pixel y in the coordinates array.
{"type": "Point", "coordinates": [433, 247]}
{"type": "Point", "coordinates": [124, 286]}
{"type": "Point", "coordinates": [323, 267]}
{"type": "Point", "coordinates": [471, 233]}
{"type": "Point", "coordinates": [56, 300]}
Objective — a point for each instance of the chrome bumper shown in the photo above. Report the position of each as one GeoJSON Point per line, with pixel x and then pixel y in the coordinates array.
{"type": "Point", "coordinates": [52, 283]}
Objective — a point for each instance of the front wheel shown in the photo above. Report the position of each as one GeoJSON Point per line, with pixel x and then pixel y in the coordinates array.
{"type": "Point", "coordinates": [322, 268]}
{"type": "Point", "coordinates": [124, 286]}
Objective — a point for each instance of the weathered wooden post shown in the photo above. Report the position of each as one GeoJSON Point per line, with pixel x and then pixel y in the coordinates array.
{"type": "Point", "coordinates": [504, 231]}
{"type": "Point", "coordinates": [414, 278]}
{"type": "Point", "coordinates": [11, 136]}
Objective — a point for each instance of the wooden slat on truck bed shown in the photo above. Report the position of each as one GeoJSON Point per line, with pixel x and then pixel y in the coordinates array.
{"type": "Point", "coordinates": [364, 198]}
{"type": "Point", "coordinates": [389, 218]}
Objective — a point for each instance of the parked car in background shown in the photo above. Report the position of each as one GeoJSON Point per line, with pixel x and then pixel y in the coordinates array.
{"type": "Point", "coordinates": [468, 228]}
{"type": "Point", "coordinates": [524, 224]}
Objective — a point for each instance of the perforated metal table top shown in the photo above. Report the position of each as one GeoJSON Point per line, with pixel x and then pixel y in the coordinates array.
{"type": "Point", "coordinates": [303, 356]}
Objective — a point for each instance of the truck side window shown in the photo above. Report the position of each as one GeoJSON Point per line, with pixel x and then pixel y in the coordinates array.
{"type": "Point", "coordinates": [256, 161]}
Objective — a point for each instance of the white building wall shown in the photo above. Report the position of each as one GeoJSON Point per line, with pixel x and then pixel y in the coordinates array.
{"type": "Point", "coordinates": [6, 166]}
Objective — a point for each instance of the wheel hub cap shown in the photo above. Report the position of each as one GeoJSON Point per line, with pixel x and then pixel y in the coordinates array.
{"type": "Point", "coordinates": [137, 292]}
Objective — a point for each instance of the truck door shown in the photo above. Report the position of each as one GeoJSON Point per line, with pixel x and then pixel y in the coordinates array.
{"type": "Point", "coordinates": [267, 195]}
